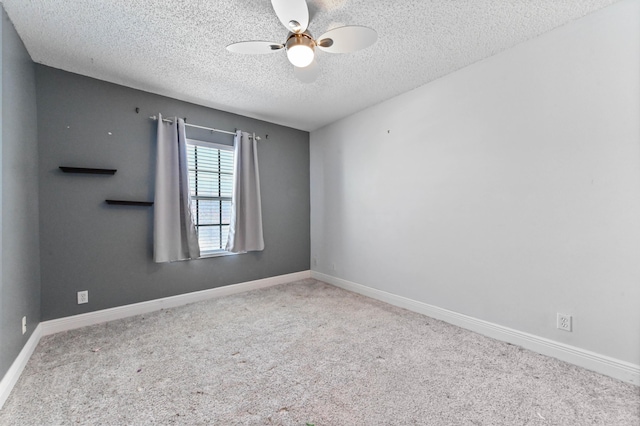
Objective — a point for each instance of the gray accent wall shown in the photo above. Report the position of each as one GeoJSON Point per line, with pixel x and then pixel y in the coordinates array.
{"type": "Point", "coordinates": [20, 264]}
{"type": "Point", "coordinates": [107, 250]}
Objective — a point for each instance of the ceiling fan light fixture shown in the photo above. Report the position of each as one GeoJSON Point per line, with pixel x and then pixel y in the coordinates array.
{"type": "Point", "coordinates": [300, 45]}
{"type": "Point", "coordinates": [300, 50]}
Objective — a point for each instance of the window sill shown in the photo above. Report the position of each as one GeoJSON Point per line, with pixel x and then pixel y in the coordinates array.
{"type": "Point", "coordinates": [216, 254]}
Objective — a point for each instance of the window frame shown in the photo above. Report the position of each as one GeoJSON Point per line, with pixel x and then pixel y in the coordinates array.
{"type": "Point", "coordinates": [222, 147]}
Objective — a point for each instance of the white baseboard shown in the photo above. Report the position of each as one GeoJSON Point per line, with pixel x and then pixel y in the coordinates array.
{"type": "Point", "coordinates": [119, 312]}
{"type": "Point", "coordinates": [76, 321]}
{"type": "Point", "coordinates": [13, 374]}
{"type": "Point", "coordinates": [603, 364]}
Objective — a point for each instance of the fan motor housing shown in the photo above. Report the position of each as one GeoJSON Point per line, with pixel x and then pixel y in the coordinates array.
{"type": "Point", "coordinates": [301, 39]}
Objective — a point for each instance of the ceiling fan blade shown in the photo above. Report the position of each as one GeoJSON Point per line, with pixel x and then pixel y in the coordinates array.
{"type": "Point", "coordinates": [254, 47]}
{"type": "Point", "coordinates": [294, 14]}
{"type": "Point", "coordinates": [308, 74]}
{"type": "Point", "coordinates": [346, 39]}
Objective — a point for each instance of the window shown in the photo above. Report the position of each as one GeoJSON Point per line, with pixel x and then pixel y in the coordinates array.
{"type": "Point", "coordinates": [211, 186]}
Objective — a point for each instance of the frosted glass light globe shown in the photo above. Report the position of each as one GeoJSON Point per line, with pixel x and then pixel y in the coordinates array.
{"type": "Point", "coordinates": [300, 55]}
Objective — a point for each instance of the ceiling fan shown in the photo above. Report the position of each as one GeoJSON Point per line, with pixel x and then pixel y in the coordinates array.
{"type": "Point", "coordinates": [300, 45]}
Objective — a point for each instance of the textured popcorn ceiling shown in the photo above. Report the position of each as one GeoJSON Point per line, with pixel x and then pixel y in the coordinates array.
{"type": "Point", "coordinates": [177, 48]}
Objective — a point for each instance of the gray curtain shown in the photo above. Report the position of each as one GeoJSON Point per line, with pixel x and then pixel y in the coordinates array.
{"type": "Point", "coordinates": [245, 231]}
{"type": "Point", "coordinates": [174, 234]}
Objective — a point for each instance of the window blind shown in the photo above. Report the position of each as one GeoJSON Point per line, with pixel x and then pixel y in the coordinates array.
{"type": "Point", "coordinates": [211, 186]}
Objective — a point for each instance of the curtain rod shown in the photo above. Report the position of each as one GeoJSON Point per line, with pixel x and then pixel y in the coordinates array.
{"type": "Point", "coordinates": [166, 120]}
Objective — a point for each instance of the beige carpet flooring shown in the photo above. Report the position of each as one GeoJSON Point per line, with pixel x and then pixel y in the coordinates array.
{"type": "Point", "coordinates": [303, 353]}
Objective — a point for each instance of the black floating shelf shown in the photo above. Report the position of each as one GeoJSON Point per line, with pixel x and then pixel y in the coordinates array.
{"type": "Point", "coordinates": [129, 203]}
{"type": "Point", "coordinates": [88, 170]}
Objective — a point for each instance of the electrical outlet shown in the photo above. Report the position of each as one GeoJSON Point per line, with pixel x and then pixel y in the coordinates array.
{"type": "Point", "coordinates": [83, 297]}
{"type": "Point", "coordinates": [564, 322]}
{"type": "Point", "coordinates": [24, 325]}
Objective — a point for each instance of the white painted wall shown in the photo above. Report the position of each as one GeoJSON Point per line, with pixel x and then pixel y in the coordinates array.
{"type": "Point", "coordinates": [507, 191]}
